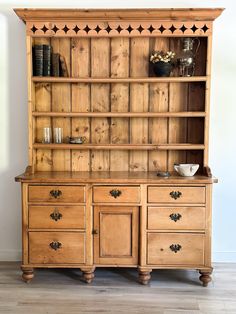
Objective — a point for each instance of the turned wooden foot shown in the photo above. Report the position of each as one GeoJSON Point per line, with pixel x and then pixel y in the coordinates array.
{"type": "Point", "coordinates": [88, 275]}
{"type": "Point", "coordinates": [28, 274]}
{"type": "Point", "coordinates": [144, 276]}
{"type": "Point", "coordinates": [205, 277]}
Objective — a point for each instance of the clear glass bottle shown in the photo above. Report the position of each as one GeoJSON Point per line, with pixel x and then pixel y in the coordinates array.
{"type": "Point", "coordinates": [186, 59]}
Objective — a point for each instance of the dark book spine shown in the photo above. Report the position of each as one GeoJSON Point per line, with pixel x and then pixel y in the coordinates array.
{"type": "Point", "coordinates": [47, 51]}
{"type": "Point", "coordinates": [55, 64]}
{"type": "Point", "coordinates": [63, 67]}
{"type": "Point", "coordinates": [38, 60]}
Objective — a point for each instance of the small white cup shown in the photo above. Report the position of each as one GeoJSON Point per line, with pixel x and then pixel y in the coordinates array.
{"type": "Point", "coordinates": [58, 135]}
{"type": "Point", "coordinates": [186, 170]}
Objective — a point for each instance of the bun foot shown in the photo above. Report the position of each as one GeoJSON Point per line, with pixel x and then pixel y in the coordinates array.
{"type": "Point", "coordinates": [144, 276]}
{"type": "Point", "coordinates": [205, 277]}
{"type": "Point", "coordinates": [88, 275]}
{"type": "Point", "coordinates": [28, 274]}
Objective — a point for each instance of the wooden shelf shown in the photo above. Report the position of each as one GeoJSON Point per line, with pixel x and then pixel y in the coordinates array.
{"type": "Point", "coordinates": [121, 114]}
{"type": "Point", "coordinates": [118, 80]}
{"type": "Point", "coordinates": [121, 146]}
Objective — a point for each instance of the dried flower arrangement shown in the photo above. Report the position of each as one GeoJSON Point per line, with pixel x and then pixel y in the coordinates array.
{"type": "Point", "coordinates": [158, 56]}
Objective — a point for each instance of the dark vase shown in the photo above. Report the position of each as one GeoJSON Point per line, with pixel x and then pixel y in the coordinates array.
{"type": "Point", "coordinates": [161, 68]}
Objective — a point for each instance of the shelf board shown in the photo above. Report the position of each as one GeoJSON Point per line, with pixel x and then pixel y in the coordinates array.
{"type": "Point", "coordinates": [120, 146]}
{"type": "Point", "coordinates": [48, 79]}
{"type": "Point", "coordinates": [121, 114]}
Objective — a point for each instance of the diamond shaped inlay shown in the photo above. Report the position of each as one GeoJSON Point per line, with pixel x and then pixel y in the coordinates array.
{"type": "Point", "coordinates": [205, 28]}
{"type": "Point", "coordinates": [151, 28]}
{"type": "Point", "coordinates": [65, 29]}
{"type": "Point", "coordinates": [172, 29]}
{"type": "Point", "coordinates": [34, 29]}
{"type": "Point", "coordinates": [129, 29]}
{"type": "Point", "coordinates": [44, 28]}
{"type": "Point", "coordinates": [55, 29]}
{"type": "Point", "coordinates": [76, 29]}
{"type": "Point", "coordinates": [119, 29]}
{"type": "Point", "coordinates": [140, 29]}
{"type": "Point", "coordinates": [97, 29]}
{"type": "Point", "coordinates": [161, 28]}
{"type": "Point", "coordinates": [194, 28]}
{"type": "Point", "coordinates": [108, 29]}
{"type": "Point", "coordinates": [87, 29]}
{"type": "Point", "coordinates": [183, 28]}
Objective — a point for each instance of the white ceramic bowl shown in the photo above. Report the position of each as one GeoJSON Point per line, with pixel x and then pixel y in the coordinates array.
{"type": "Point", "coordinates": [186, 170]}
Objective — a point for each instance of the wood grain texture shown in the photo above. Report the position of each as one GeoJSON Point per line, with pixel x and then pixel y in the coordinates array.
{"type": "Point", "coordinates": [61, 101]}
{"type": "Point", "coordinates": [100, 102]}
{"type": "Point", "coordinates": [80, 60]}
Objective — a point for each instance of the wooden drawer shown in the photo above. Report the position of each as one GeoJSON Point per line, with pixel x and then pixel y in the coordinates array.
{"type": "Point", "coordinates": [175, 218]}
{"type": "Point", "coordinates": [175, 249]}
{"type": "Point", "coordinates": [57, 217]}
{"type": "Point", "coordinates": [116, 194]}
{"type": "Point", "coordinates": [56, 247]}
{"type": "Point", "coordinates": [60, 194]}
{"type": "Point", "coordinates": [176, 194]}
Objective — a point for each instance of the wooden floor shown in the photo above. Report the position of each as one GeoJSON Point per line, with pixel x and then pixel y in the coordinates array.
{"type": "Point", "coordinates": [117, 291]}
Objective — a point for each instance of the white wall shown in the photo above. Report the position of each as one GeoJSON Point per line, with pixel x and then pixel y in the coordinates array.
{"type": "Point", "coordinates": [13, 117]}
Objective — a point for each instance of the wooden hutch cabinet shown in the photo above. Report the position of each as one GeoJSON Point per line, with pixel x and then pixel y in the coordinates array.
{"type": "Point", "coordinates": [101, 203]}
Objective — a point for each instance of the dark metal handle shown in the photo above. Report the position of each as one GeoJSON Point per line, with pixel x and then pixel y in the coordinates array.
{"type": "Point", "coordinates": [55, 245]}
{"type": "Point", "coordinates": [175, 217]}
{"type": "Point", "coordinates": [95, 231]}
{"type": "Point", "coordinates": [55, 193]}
{"type": "Point", "coordinates": [56, 215]}
{"type": "Point", "coordinates": [175, 247]}
{"type": "Point", "coordinates": [115, 193]}
{"type": "Point", "coordinates": [175, 194]}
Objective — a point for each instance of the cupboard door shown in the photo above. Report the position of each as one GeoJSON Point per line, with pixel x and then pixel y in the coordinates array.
{"type": "Point", "coordinates": [116, 235]}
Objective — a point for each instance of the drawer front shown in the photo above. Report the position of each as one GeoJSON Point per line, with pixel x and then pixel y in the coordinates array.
{"type": "Point", "coordinates": [56, 247]}
{"type": "Point", "coordinates": [116, 194]}
{"type": "Point", "coordinates": [60, 194]}
{"type": "Point", "coordinates": [57, 217]}
{"type": "Point", "coordinates": [176, 194]}
{"type": "Point", "coordinates": [175, 249]}
{"type": "Point", "coordinates": [175, 218]}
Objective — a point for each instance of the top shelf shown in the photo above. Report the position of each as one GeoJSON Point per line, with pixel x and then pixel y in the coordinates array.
{"type": "Point", "coordinates": [48, 79]}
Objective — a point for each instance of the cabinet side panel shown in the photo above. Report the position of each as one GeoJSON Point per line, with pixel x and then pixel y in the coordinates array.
{"type": "Point", "coordinates": [158, 102]}
{"type": "Point", "coordinates": [100, 102]}
{"type": "Point", "coordinates": [80, 102]}
{"type": "Point", "coordinates": [139, 98]}
{"type": "Point", "coordinates": [119, 159]}
{"type": "Point", "coordinates": [42, 103]}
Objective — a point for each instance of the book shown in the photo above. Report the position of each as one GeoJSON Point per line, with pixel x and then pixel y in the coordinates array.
{"type": "Point", "coordinates": [55, 64]}
{"type": "Point", "coordinates": [63, 67]}
{"type": "Point", "coordinates": [47, 51]}
{"type": "Point", "coordinates": [38, 60]}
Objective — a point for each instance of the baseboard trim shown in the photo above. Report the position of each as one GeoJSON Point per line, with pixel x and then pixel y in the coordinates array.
{"type": "Point", "coordinates": [10, 255]}
{"type": "Point", "coordinates": [218, 257]}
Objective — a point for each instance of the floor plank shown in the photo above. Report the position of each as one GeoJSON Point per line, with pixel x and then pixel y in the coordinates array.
{"type": "Point", "coordinates": [61, 291]}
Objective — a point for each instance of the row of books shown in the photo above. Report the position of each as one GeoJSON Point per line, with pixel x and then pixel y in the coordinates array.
{"type": "Point", "coordinates": [47, 63]}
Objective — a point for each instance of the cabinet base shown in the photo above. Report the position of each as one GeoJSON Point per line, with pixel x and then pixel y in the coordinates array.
{"type": "Point", "coordinates": [28, 274]}
{"type": "Point", "coordinates": [88, 274]}
{"type": "Point", "coordinates": [144, 276]}
{"type": "Point", "coordinates": [205, 277]}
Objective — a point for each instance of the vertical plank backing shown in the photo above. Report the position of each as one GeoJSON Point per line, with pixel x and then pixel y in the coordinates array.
{"type": "Point", "coordinates": [100, 102]}
{"type": "Point", "coordinates": [139, 92]}
{"type": "Point", "coordinates": [178, 101]}
{"type": "Point", "coordinates": [80, 102]}
{"type": "Point", "coordinates": [43, 103]}
{"type": "Point", "coordinates": [158, 102]}
{"type": "Point", "coordinates": [119, 160]}
{"type": "Point", "coordinates": [61, 102]}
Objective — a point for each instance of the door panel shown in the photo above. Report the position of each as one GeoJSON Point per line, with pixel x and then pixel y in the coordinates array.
{"type": "Point", "coordinates": [116, 235]}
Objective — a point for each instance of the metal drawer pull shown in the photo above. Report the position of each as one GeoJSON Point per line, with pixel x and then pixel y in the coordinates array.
{"type": "Point", "coordinates": [55, 193]}
{"type": "Point", "coordinates": [95, 231]}
{"type": "Point", "coordinates": [56, 215]}
{"type": "Point", "coordinates": [175, 247]}
{"type": "Point", "coordinates": [55, 245]}
{"type": "Point", "coordinates": [115, 193]}
{"type": "Point", "coordinates": [175, 217]}
{"type": "Point", "coordinates": [175, 194]}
